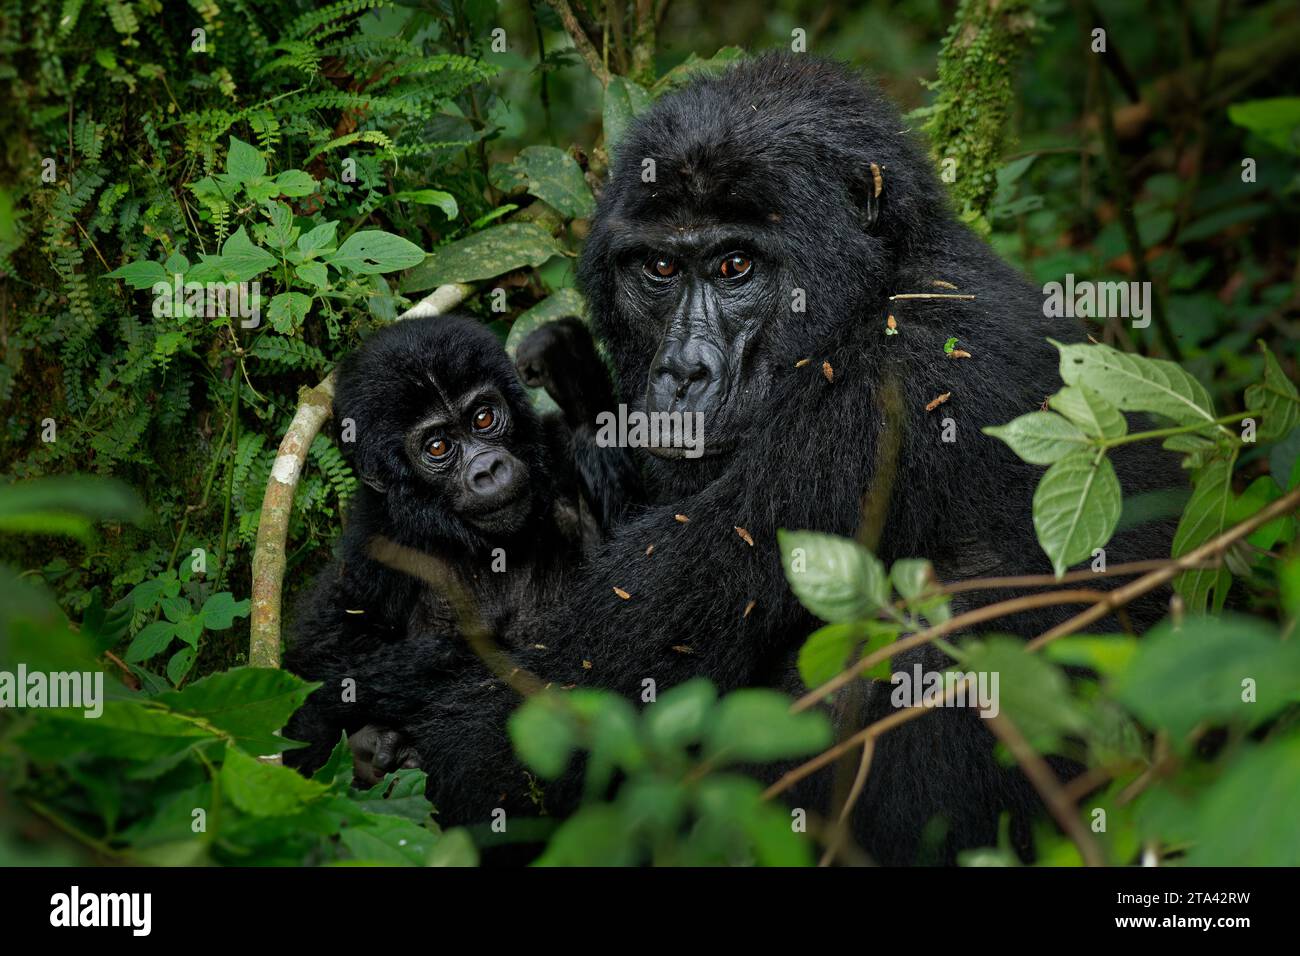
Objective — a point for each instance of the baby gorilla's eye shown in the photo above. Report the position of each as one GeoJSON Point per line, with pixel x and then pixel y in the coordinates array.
{"type": "Point", "coordinates": [438, 448]}
{"type": "Point", "coordinates": [734, 266]}
{"type": "Point", "coordinates": [484, 418]}
{"type": "Point", "coordinates": [661, 267]}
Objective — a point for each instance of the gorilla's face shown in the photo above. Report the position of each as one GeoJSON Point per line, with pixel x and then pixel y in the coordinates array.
{"type": "Point", "coordinates": [709, 292]}
{"type": "Point", "coordinates": [461, 447]}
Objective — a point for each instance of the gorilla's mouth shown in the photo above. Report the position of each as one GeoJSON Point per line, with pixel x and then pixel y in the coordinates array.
{"type": "Point", "coordinates": [503, 517]}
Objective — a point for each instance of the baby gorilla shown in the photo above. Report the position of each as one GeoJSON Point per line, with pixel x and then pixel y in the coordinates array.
{"type": "Point", "coordinates": [471, 512]}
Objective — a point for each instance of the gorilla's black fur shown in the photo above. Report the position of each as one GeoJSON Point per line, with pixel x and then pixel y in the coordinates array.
{"type": "Point", "coordinates": [381, 627]}
{"type": "Point", "coordinates": [778, 151]}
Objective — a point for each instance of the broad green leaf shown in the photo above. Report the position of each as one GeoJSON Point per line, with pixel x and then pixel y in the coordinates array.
{"type": "Point", "coordinates": [1133, 383]}
{"type": "Point", "coordinates": [126, 730]}
{"type": "Point", "coordinates": [835, 578]}
{"type": "Point", "coordinates": [597, 835]}
{"type": "Point", "coordinates": [1076, 508]}
{"type": "Point", "coordinates": [399, 794]}
{"type": "Point", "coordinates": [295, 182]}
{"type": "Point", "coordinates": [249, 703]}
{"type": "Point", "coordinates": [1097, 417]}
{"type": "Point", "coordinates": [242, 260]}
{"type": "Point", "coordinates": [152, 639]}
{"type": "Point", "coordinates": [180, 663]}
{"type": "Point", "coordinates": [756, 725]}
{"type": "Point", "coordinates": [556, 178]}
{"type": "Point", "coordinates": [679, 715]}
{"type": "Point", "coordinates": [911, 576]}
{"type": "Point", "coordinates": [318, 238]}
{"type": "Point", "coordinates": [388, 841]}
{"type": "Point", "coordinates": [1040, 438]}
{"type": "Point", "coordinates": [454, 848]}
{"type": "Point", "coordinates": [1248, 816]}
{"type": "Point", "coordinates": [1107, 654]}
{"type": "Point", "coordinates": [483, 255]}
{"type": "Point", "coordinates": [1201, 672]}
{"type": "Point", "coordinates": [831, 649]}
{"type": "Point", "coordinates": [375, 251]}
{"type": "Point", "coordinates": [431, 197]}
{"type": "Point", "coordinates": [244, 162]}
{"type": "Point", "coordinates": [1276, 397]}
{"type": "Point", "coordinates": [624, 101]}
{"type": "Point", "coordinates": [1033, 693]}
{"type": "Point", "coordinates": [545, 733]}
{"type": "Point", "coordinates": [141, 275]}
{"type": "Point", "coordinates": [66, 504]}
{"type": "Point", "coordinates": [264, 789]}
{"type": "Point", "coordinates": [313, 273]}
{"type": "Point", "coordinates": [1206, 517]}
{"type": "Point", "coordinates": [287, 311]}
{"type": "Point", "coordinates": [1275, 120]}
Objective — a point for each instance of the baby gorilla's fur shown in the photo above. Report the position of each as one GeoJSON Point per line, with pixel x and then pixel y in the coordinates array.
{"type": "Point", "coordinates": [480, 495]}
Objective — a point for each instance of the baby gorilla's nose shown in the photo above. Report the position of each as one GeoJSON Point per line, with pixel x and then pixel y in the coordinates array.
{"type": "Point", "coordinates": [490, 473]}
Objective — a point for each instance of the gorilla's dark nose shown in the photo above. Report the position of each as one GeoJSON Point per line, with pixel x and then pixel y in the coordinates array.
{"type": "Point", "coordinates": [685, 376]}
{"type": "Point", "coordinates": [490, 473]}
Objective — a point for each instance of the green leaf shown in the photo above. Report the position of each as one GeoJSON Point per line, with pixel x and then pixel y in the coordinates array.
{"type": "Point", "coordinates": [66, 504]}
{"type": "Point", "coordinates": [244, 162]}
{"type": "Point", "coordinates": [313, 273]}
{"type": "Point", "coordinates": [431, 197]}
{"type": "Point", "coordinates": [318, 238]}
{"type": "Point", "coordinates": [835, 578]}
{"type": "Point", "coordinates": [1183, 677]}
{"type": "Point", "coordinates": [831, 649]}
{"type": "Point", "coordinates": [1248, 816]}
{"type": "Point", "coordinates": [152, 639]}
{"type": "Point", "coordinates": [1107, 654]}
{"type": "Point", "coordinates": [288, 310]}
{"type": "Point", "coordinates": [544, 732]}
{"type": "Point", "coordinates": [1097, 417]}
{"type": "Point", "coordinates": [1277, 398]}
{"type": "Point", "coordinates": [141, 275]}
{"type": "Point", "coordinates": [484, 255]}
{"type": "Point", "coordinates": [1133, 383]}
{"type": "Point", "coordinates": [242, 260]}
{"type": "Point", "coordinates": [180, 664]}
{"type": "Point", "coordinates": [679, 716]}
{"type": "Point", "coordinates": [756, 725]}
{"type": "Point", "coordinates": [295, 182]}
{"type": "Point", "coordinates": [249, 703]}
{"type": "Point", "coordinates": [1275, 120]}
{"type": "Point", "coordinates": [1040, 438]}
{"type": "Point", "coordinates": [389, 841]}
{"type": "Point", "coordinates": [264, 789]}
{"type": "Point", "coordinates": [374, 252]}
{"type": "Point", "coordinates": [454, 848]}
{"type": "Point", "coordinates": [1206, 517]}
{"type": "Point", "coordinates": [1076, 507]}
{"type": "Point", "coordinates": [624, 101]}
{"type": "Point", "coordinates": [399, 794]}
{"type": "Point", "coordinates": [556, 178]}
{"type": "Point", "coordinates": [1032, 693]}
{"type": "Point", "coordinates": [560, 304]}
{"type": "Point", "coordinates": [126, 730]}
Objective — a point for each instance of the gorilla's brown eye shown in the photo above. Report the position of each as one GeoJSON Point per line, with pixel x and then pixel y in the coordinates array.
{"type": "Point", "coordinates": [734, 266]}
{"type": "Point", "coordinates": [661, 267]}
{"type": "Point", "coordinates": [484, 418]}
{"type": "Point", "coordinates": [438, 448]}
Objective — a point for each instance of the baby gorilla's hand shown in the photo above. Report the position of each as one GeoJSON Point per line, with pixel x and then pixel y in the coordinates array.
{"type": "Point", "coordinates": [377, 751]}
{"type": "Point", "coordinates": [561, 357]}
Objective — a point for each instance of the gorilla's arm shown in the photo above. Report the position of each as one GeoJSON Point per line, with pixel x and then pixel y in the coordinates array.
{"type": "Point", "coordinates": [561, 357]}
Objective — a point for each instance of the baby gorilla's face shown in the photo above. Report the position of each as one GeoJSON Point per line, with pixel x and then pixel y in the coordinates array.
{"type": "Point", "coordinates": [461, 446]}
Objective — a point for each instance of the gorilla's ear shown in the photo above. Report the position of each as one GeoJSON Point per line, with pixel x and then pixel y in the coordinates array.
{"type": "Point", "coordinates": [868, 192]}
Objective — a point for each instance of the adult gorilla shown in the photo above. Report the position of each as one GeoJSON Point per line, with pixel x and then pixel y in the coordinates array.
{"type": "Point", "coordinates": [744, 229]}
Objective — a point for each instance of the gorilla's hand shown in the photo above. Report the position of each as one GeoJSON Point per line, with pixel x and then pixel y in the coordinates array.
{"type": "Point", "coordinates": [561, 357]}
{"type": "Point", "coordinates": [377, 751]}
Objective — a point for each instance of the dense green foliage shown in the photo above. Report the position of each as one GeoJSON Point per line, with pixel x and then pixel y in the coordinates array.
{"type": "Point", "coordinates": [353, 157]}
